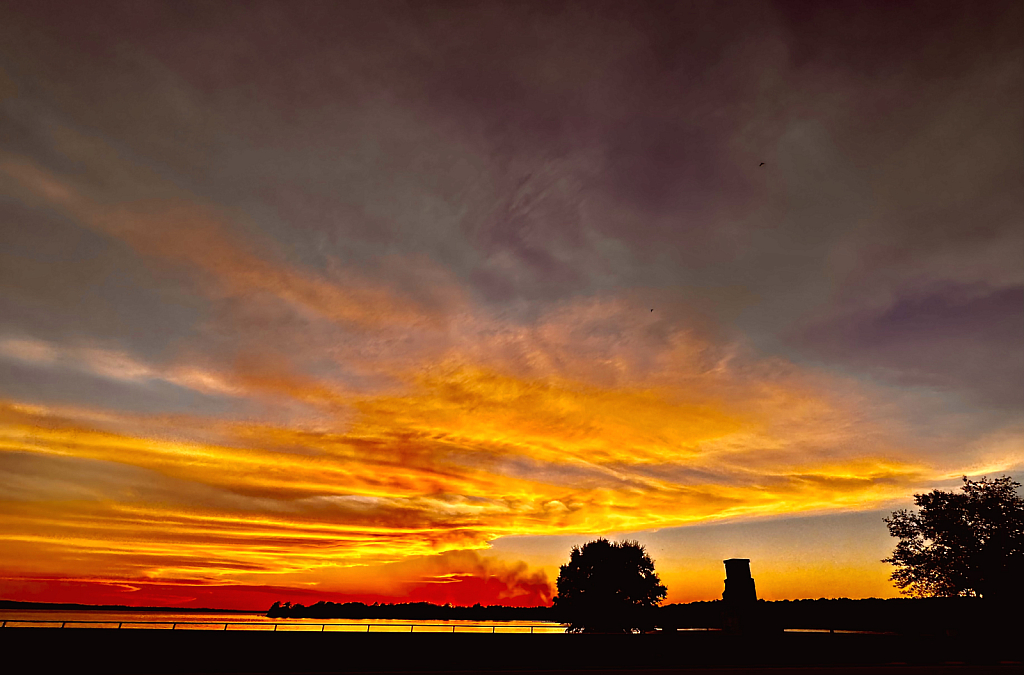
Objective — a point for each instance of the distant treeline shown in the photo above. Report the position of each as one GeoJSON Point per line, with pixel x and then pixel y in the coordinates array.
{"type": "Point", "coordinates": [897, 615]}
{"type": "Point", "coordinates": [900, 615]}
{"type": "Point", "coordinates": [410, 610]}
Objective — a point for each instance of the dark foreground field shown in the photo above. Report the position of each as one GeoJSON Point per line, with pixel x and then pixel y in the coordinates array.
{"type": "Point", "coordinates": [123, 652]}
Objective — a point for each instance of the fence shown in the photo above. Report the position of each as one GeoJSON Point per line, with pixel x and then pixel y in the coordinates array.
{"type": "Point", "coordinates": [274, 626]}
{"type": "Point", "coordinates": [351, 627]}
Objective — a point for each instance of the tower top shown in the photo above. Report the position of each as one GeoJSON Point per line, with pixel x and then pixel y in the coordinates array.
{"type": "Point", "coordinates": [737, 568]}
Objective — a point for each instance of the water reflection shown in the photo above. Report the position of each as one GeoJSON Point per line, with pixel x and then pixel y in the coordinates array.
{"type": "Point", "coordinates": [69, 619]}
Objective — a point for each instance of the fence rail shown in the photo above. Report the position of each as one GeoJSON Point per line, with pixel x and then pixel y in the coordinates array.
{"type": "Point", "coordinates": [336, 627]}
{"type": "Point", "coordinates": [304, 626]}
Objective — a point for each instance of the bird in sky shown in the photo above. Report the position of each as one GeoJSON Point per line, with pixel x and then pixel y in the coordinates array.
{"type": "Point", "coordinates": [761, 164]}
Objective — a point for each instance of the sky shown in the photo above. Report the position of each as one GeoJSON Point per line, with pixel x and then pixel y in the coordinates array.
{"type": "Point", "coordinates": [400, 301]}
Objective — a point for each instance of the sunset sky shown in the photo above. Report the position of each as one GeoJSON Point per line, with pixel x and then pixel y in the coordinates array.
{"type": "Point", "coordinates": [395, 301]}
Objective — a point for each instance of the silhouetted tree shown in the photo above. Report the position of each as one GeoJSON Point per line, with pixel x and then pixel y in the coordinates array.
{"type": "Point", "coordinates": [608, 587]}
{"type": "Point", "coordinates": [969, 543]}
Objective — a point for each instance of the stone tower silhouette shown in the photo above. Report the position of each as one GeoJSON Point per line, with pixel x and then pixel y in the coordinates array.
{"type": "Point", "coordinates": [739, 585]}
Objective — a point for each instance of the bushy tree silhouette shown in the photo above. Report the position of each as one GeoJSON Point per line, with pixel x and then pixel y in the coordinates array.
{"type": "Point", "coordinates": [969, 543]}
{"type": "Point", "coordinates": [608, 587]}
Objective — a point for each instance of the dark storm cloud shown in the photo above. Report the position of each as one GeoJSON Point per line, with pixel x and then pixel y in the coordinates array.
{"type": "Point", "coordinates": [957, 337]}
{"type": "Point", "coordinates": [542, 152]}
{"type": "Point", "coordinates": [546, 151]}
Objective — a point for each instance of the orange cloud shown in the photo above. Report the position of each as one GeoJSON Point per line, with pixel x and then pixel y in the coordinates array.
{"type": "Point", "coordinates": [451, 426]}
{"type": "Point", "coordinates": [467, 457]}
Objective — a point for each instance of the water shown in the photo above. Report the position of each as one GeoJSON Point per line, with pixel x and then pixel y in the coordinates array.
{"type": "Point", "coordinates": [48, 618]}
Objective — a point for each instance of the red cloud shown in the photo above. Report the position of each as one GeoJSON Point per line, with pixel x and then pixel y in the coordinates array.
{"type": "Point", "coordinates": [471, 578]}
{"type": "Point", "coordinates": [458, 578]}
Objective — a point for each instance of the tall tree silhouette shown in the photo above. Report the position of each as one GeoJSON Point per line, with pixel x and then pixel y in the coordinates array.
{"type": "Point", "coordinates": [969, 543]}
{"type": "Point", "coordinates": [608, 587]}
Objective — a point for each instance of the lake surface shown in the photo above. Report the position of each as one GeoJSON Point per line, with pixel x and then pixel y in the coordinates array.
{"type": "Point", "coordinates": [216, 621]}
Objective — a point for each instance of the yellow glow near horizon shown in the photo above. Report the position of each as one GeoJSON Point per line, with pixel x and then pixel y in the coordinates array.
{"type": "Point", "coordinates": [468, 458]}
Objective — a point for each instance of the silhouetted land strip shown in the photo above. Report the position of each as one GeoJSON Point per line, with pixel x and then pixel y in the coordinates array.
{"type": "Point", "coordinates": [424, 611]}
{"type": "Point", "coordinates": [165, 652]}
{"type": "Point", "coordinates": [928, 616]}
{"type": "Point", "coordinates": [925, 616]}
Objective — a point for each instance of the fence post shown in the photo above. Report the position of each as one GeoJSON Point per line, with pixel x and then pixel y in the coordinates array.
{"type": "Point", "coordinates": [275, 627]}
{"type": "Point", "coordinates": [453, 629]}
{"type": "Point", "coordinates": [322, 626]}
{"type": "Point", "coordinates": [531, 630]}
{"type": "Point", "coordinates": [225, 626]}
{"type": "Point", "coordinates": [173, 626]}
{"type": "Point", "coordinates": [412, 626]}
{"type": "Point", "coordinates": [62, 623]}
{"type": "Point", "coordinates": [120, 624]}
{"type": "Point", "coordinates": [493, 628]}
{"type": "Point", "coordinates": [367, 628]}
